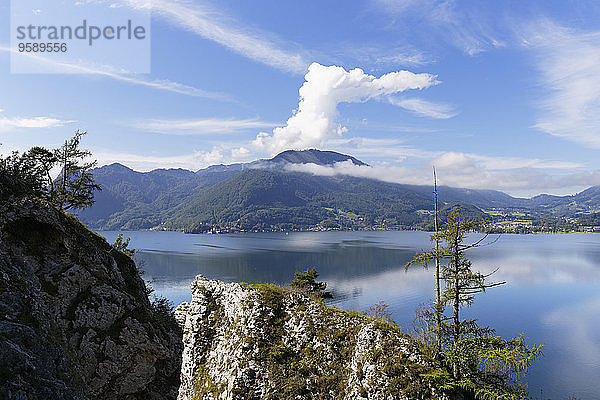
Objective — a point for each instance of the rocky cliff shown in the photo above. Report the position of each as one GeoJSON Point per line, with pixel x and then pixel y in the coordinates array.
{"type": "Point", "coordinates": [75, 319]}
{"type": "Point", "coordinates": [265, 342]}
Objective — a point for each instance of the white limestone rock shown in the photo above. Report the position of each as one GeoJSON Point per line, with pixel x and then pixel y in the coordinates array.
{"type": "Point", "coordinates": [264, 342]}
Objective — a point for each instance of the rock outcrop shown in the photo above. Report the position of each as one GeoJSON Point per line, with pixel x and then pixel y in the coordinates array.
{"type": "Point", "coordinates": [75, 319]}
{"type": "Point", "coordinates": [266, 342]}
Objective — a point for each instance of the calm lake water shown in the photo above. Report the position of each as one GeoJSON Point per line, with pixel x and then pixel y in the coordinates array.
{"type": "Point", "coordinates": [552, 294]}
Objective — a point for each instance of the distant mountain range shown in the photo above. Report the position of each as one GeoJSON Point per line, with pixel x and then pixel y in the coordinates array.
{"type": "Point", "coordinates": [267, 195]}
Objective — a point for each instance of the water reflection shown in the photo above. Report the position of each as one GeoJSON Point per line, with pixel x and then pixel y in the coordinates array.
{"type": "Point", "coordinates": [275, 259]}
{"type": "Point", "coordinates": [575, 330]}
{"type": "Point", "coordinates": [552, 295]}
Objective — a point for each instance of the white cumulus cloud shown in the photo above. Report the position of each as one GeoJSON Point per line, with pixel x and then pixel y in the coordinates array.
{"type": "Point", "coordinates": [314, 122]}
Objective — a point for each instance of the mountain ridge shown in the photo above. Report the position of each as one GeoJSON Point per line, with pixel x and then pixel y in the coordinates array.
{"type": "Point", "coordinates": [263, 195]}
{"type": "Point", "coordinates": [314, 156]}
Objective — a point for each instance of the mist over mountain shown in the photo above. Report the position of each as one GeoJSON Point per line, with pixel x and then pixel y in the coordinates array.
{"type": "Point", "coordinates": [265, 195]}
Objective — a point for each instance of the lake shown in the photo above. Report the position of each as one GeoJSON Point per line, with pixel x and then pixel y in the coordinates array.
{"type": "Point", "coordinates": [552, 294]}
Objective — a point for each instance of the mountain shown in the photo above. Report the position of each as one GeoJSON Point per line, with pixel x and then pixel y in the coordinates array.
{"type": "Point", "coordinates": [264, 195]}
{"type": "Point", "coordinates": [313, 156]}
{"type": "Point", "coordinates": [569, 206]}
{"type": "Point", "coordinates": [142, 200]}
{"type": "Point", "coordinates": [589, 196]}
{"type": "Point", "coordinates": [221, 168]}
{"type": "Point", "coordinates": [269, 199]}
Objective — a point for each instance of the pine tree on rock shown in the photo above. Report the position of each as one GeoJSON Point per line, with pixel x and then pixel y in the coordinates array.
{"type": "Point", "coordinates": [75, 186]}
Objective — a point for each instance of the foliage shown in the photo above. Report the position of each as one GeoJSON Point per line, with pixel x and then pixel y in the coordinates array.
{"type": "Point", "coordinates": [379, 311]}
{"type": "Point", "coordinates": [306, 282]}
{"type": "Point", "coordinates": [29, 174]}
{"type": "Point", "coordinates": [255, 200]}
{"type": "Point", "coordinates": [473, 359]}
{"type": "Point", "coordinates": [75, 186]}
{"type": "Point", "coordinates": [163, 313]}
{"type": "Point", "coordinates": [592, 219]}
{"type": "Point", "coordinates": [121, 245]}
{"type": "Point", "coordinates": [17, 177]}
{"type": "Point", "coordinates": [490, 367]}
{"type": "Point", "coordinates": [41, 161]}
{"type": "Point", "coordinates": [425, 330]}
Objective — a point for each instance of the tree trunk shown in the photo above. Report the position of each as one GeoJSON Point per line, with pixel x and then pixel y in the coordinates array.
{"type": "Point", "coordinates": [438, 301]}
{"type": "Point", "coordinates": [63, 188]}
{"type": "Point", "coordinates": [455, 371]}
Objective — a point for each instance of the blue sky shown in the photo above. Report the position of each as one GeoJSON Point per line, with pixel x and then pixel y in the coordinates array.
{"type": "Point", "coordinates": [496, 94]}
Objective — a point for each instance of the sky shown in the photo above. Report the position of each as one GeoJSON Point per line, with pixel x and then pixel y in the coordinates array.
{"type": "Point", "coordinates": [495, 94]}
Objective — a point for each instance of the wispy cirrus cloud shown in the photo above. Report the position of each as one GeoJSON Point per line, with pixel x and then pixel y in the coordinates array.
{"type": "Point", "coordinates": [198, 126]}
{"type": "Point", "coordinates": [569, 61]}
{"type": "Point", "coordinates": [471, 29]}
{"type": "Point", "coordinates": [377, 56]}
{"type": "Point", "coordinates": [123, 76]}
{"type": "Point", "coordinates": [409, 57]}
{"type": "Point", "coordinates": [11, 123]}
{"type": "Point", "coordinates": [424, 108]}
{"type": "Point", "coordinates": [213, 25]}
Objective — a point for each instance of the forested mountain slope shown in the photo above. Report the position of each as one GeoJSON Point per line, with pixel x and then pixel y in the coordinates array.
{"type": "Point", "coordinates": [266, 195]}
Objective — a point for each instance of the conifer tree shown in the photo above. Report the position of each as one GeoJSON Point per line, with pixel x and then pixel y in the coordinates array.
{"type": "Point", "coordinates": [75, 186]}
{"type": "Point", "coordinates": [40, 162]}
{"type": "Point", "coordinates": [30, 174]}
{"type": "Point", "coordinates": [477, 361]}
{"type": "Point", "coordinates": [305, 281]}
{"type": "Point", "coordinates": [438, 296]}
